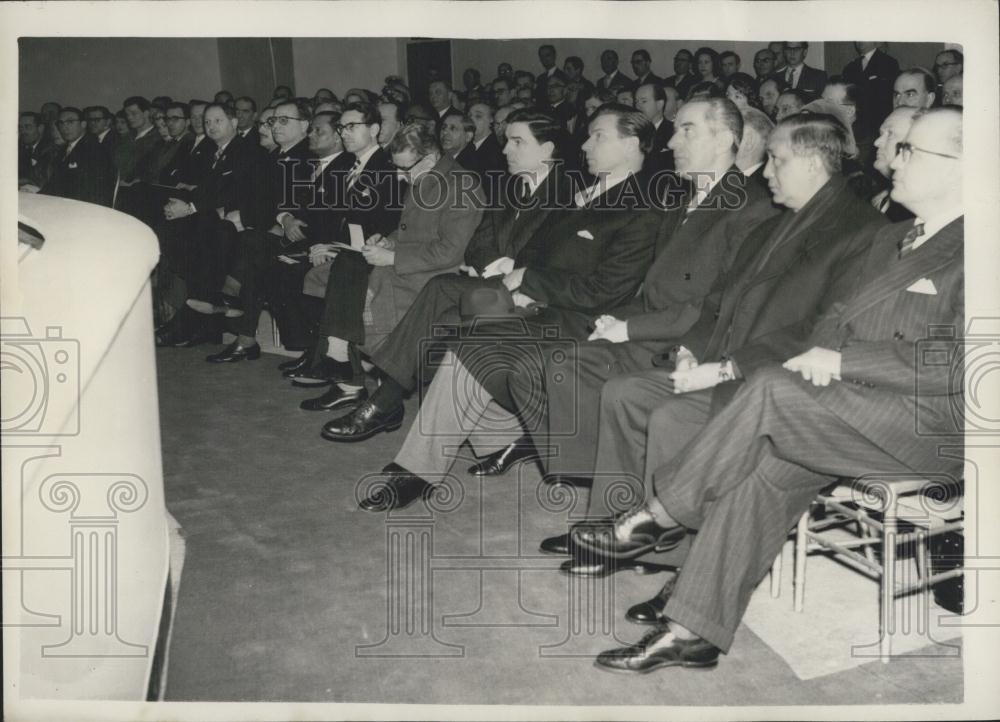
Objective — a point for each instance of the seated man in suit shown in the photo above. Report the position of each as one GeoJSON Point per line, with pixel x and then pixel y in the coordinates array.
{"type": "Point", "coordinates": [35, 155]}
{"type": "Point", "coordinates": [198, 237]}
{"type": "Point", "coordinates": [556, 102]}
{"type": "Point", "coordinates": [487, 159]}
{"type": "Point", "coordinates": [683, 78]}
{"type": "Point", "coordinates": [752, 156]}
{"type": "Point", "coordinates": [586, 260]}
{"type": "Point", "coordinates": [789, 271]}
{"type": "Point", "coordinates": [951, 91]}
{"type": "Point", "coordinates": [796, 75]}
{"type": "Point", "coordinates": [431, 238]}
{"type": "Point", "coordinates": [550, 70]}
{"type": "Point", "coordinates": [134, 158]}
{"type": "Point", "coordinates": [847, 407]}
{"type": "Point", "coordinates": [573, 67]}
{"type": "Point", "coordinates": [763, 64]}
{"type": "Point", "coordinates": [542, 188]}
{"type": "Point", "coordinates": [83, 171]}
{"type": "Point", "coordinates": [948, 64]}
{"type": "Point", "coordinates": [99, 124]}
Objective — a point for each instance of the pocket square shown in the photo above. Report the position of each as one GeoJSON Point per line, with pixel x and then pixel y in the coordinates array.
{"type": "Point", "coordinates": [924, 285]}
{"type": "Point", "coordinates": [585, 234]}
{"type": "Point", "coordinates": [72, 165]}
{"type": "Point", "coordinates": [228, 172]}
{"type": "Point", "coordinates": [873, 77]}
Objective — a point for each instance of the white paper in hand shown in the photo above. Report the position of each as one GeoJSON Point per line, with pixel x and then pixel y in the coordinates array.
{"type": "Point", "coordinates": [357, 236]}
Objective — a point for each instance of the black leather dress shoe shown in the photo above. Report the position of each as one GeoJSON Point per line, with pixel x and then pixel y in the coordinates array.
{"type": "Point", "coordinates": [632, 534]}
{"type": "Point", "coordinates": [658, 649]}
{"type": "Point", "coordinates": [555, 545]}
{"type": "Point", "coordinates": [499, 462]}
{"type": "Point", "coordinates": [325, 372]}
{"type": "Point", "coordinates": [335, 398]}
{"type": "Point", "coordinates": [651, 611]}
{"type": "Point", "coordinates": [297, 364]}
{"type": "Point", "coordinates": [584, 565]}
{"type": "Point", "coordinates": [567, 480]}
{"type": "Point", "coordinates": [363, 423]}
{"type": "Point", "coordinates": [399, 490]}
{"type": "Point", "coordinates": [235, 352]}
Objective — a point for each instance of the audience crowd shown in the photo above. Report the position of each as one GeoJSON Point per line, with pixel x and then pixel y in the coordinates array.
{"type": "Point", "coordinates": [705, 291]}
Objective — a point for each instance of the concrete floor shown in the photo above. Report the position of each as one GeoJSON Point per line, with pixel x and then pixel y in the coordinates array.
{"type": "Point", "coordinates": [285, 580]}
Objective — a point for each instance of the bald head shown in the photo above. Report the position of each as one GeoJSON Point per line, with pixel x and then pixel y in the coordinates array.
{"type": "Point", "coordinates": [892, 132]}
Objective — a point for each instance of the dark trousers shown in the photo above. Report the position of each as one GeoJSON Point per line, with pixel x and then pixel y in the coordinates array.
{"type": "Point", "coordinates": [344, 302]}
{"type": "Point", "coordinates": [744, 482]}
{"type": "Point", "coordinates": [199, 249]}
{"type": "Point", "coordinates": [400, 355]}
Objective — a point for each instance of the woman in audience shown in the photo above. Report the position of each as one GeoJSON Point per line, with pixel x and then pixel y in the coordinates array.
{"type": "Point", "coordinates": [742, 90]}
{"type": "Point", "coordinates": [706, 62]}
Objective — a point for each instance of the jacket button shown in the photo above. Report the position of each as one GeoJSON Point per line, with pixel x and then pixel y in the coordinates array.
{"type": "Point", "coordinates": [687, 276]}
{"type": "Point", "coordinates": [402, 226]}
{"type": "Point", "coordinates": [898, 336]}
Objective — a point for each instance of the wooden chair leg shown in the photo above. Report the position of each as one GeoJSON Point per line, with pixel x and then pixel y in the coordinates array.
{"type": "Point", "coordinates": [887, 620]}
{"type": "Point", "coordinates": [776, 577]}
{"type": "Point", "coordinates": [799, 573]}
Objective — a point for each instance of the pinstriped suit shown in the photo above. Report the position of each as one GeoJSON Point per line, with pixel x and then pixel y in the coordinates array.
{"type": "Point", "coordinates": [745, 480]}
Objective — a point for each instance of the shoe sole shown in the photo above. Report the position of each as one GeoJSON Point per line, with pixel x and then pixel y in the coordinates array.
{"type": "Point", "coordinates": [336, 406]}
{"type": "Point", "coordinates": [706, 666]}
{"type": "Point", "coordinates": [373, 432]}
{"type": "Point", "coordinates": [483, 473]}
{"type": "Point", "coordinates": [636, 620]}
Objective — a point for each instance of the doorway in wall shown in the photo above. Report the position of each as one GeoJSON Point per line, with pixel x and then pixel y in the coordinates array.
{"type": "Point", "coordinates": [426, 60]}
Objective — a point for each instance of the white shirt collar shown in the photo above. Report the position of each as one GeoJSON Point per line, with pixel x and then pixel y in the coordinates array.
{"type": "Point", "coordinates": [364, 157]}
{"type": "Point", "coordinates": [934, 225]}
{"type": "Point", "coordinates": [534, 180]}
{"type": "Point", "coordinates": [703, 192]}
{"type": "Point", "coordinates": [482, 140]}
{"type": "Point", "coordinates": [866, 58]}
{"type": "Point", "coordinates": [144, 132]}
{"type": "Point", "coordinates": [328, 159]}
{"type": "Point", "coordinates": [599, 188]}
{"type": "Point", "coordinates": [752, 169]}
{"type": "Point", "coordinates": [658, 123]}
{"type": "Point", "coordinates": [100, 136]}
{"type": "Point", "coordinates": [71, 146]}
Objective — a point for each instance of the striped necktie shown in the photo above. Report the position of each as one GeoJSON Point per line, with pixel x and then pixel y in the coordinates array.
{"type": "Point", "coordinates": [354, 173]}
{"type": "Point", "coordinates": [906, 245]}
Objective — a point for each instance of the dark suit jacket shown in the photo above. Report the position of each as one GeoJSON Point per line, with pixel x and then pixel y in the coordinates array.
{"type": "Point", "coordinates": [110, 142]}
{"type": "Point", "coordinates": [133, 158]}
{"type": "Point", "coordinates": [683, 85]}
{"type": "Point", "coordinates": [289, 176]}
{"type": "Point", "coordinates": [174, 156]}
{"type": "Point", "coordinates": [875, 82]}
{"type": "Point", "coordinates": [893, 378]}
{"type": "Point", "coordinates": [811, 80]}
{"type": "Point", "coordinates": [322, 206]}
{"type": "Point", "coordinates": [375, 201]}
{"type": "Point", "coordinates": [788, 274]}
{"type": "Point", "coordinates": [692, 251]}
{"type": "Point", "coordinates": [35, 165]}
{"type": "Point", "coordinates": [563, 112]}
{"type": "Point", "coordinates": [467, 157]}
{"type": "Point", "coordinates": [198, 162]}
{"type": "Point", "coordinates": [252, 136]}
{"type": "Point", "coordinates": [505, 231]}
{"type": "Point", "coordinates": [588, 260]}
{"type": "Point", "coordinates": [660, 157]}
{"type": "Point", "coordinates": [651, 77]}
{"type": "Point", "coordinates": [620, 81]}
{"type": "Point", "coordinates": [237, 181]}
{"type": "Point", "coordinates": [86, 174]}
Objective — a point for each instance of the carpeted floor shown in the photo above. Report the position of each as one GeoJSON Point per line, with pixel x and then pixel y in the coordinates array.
{"type": "Point", "coordinates": [290, 593]}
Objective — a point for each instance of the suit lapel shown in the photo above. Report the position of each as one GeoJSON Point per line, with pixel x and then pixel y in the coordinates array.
{"type": "Point", "coordinates": [903, 272]}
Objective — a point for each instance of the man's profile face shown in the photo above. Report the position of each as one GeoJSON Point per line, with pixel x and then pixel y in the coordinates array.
{"type": "Point", "coordinates": [924, 175]}
{"type": "Point", "coordinates": [28, 131]}
{"type": "Point", "coordinates": [555, 89]}
{"type": "Point", "coordinates": [693, 143]}
{"type": "Point", "coordinates": [672, 104]}
{"type": "Point", "coordinates": [482, 118]}
{"type": "Point", "coordinates": [547, 57]}
{"type": "Point", "coordinates": [910, 91]}
{"type": "Point", "coordinates": [523, 151]}
{"type": "Point", "coordinates": [789, 176]}
{"type": "Point", "coordinates": [501, 93]}
{"type": "Point", "coordinates": [892, 132]}
{"type": "Point", "coordinates": [769, 95]}
{"type": "Point", "coordinates": [645, 103]}
{"type": "Point", "coordinates": [605, 149]}
{"type": "Point", "coordinates": [390, 122]}
{"type": "Point", "coordinates": [500, 124]}
{"type": "Point", "coordinates": [763, 63]}
{"type": "Point", "coordinates": [198, 119]}
{"type": "Point", "coordinates": [263, 129]}
{"type": "Point", "coordinates": [97, 123]}
{"type": "Point", "coordinates": [438, 95]}
{"type": "Point", "coordinates": [137, 119]}
{"type": "Point", "coordinates": [245, 115]}
{"type": "Point", "coordinates": [453, 134]}
{"type": "Point", "coordinates": [682, 63]}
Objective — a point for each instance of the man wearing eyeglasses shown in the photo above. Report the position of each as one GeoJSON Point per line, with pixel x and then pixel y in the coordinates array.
{"type": "Point", "coordinates": [948, 64]}
{"type": "Point", "coordinates": [372, 201]}
{"type": "Point", "coordinates": [99, 125]}
{"type": "Point", "coordinates": [875, 395]}
{"type": "Point", "coordinates": [892, 132]}
{"type": "Point", "coordinates": [796, 74]}
{"type": "Point", "coordinates": [83, 170]}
